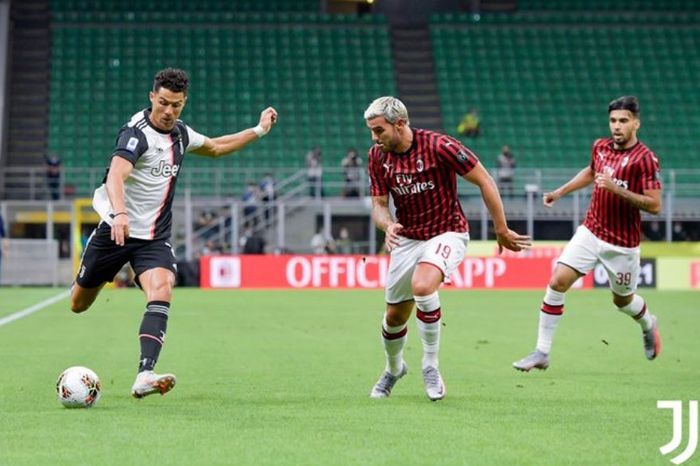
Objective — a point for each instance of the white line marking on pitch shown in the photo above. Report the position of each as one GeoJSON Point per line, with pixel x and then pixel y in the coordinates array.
{"type": "Point", "coordinates": [35, 308]}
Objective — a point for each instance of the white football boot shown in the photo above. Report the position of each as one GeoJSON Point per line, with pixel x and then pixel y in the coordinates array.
{"type": "Point", "coordinates": [434, 386]}
{"type": "Point", "coordinates": [383, 387]}
{"type": "Point", "coordinates": [148, 383]}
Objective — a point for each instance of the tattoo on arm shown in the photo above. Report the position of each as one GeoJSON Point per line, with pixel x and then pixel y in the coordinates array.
{"type": "Point", "coordinates": [640, 201]}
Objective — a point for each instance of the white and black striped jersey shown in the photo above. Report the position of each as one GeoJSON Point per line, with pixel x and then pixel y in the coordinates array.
{"type": "Point", "coordinates": [149, 190]}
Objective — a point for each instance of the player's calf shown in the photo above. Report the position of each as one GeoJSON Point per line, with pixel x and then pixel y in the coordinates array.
{"type": "Point", "coordinates": [82, 298]}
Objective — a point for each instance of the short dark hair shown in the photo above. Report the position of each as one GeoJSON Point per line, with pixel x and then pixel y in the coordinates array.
{"type": "Point", "coordinates": [627, 102]}
{"type": "Point", "coordinates": [172, 79]}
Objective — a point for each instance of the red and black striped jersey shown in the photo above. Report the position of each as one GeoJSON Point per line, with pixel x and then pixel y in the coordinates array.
{"type": "Point", "coordinates": [423, 183]}
{"type": "Point", "coordinates": [609, 217]}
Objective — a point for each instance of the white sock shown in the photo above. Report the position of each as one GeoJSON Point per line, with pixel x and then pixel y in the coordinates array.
{"type": "Point", "coordinates": [550, 315]}
{"type": "Point", "coordinates": [638, 310]}
{"type": "Point", "coordinates": [428, 319]}
{"type": "Point", "coordinates": [394, 339]}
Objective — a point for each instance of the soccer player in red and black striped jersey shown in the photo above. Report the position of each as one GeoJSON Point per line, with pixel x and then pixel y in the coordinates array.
{"type": "Point", "coordinates": [626, 178]}
{"type": "Point", "coordinates": [429, 236]}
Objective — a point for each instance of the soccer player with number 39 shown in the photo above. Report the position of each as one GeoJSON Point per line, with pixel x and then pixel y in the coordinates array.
{"type": "Point", "coordinates": [626, 180]}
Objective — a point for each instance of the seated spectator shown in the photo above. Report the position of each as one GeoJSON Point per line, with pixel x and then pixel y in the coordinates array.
{"type": "Point", "coordinates": [322, 244]}
{"type": "Point", "coordinates": [470, 125]}
{"type": "Point", "coordinates": [344, 243]}
{"type": "Point", "coordinates": [314, 172]}
{"type": "Point", "coordinates": [251, 198]}
{"type": "Point", "coordinates": [252, 243]}
{"type": "Point", "coordinates": [352, 169]}
{"type": "Point", "coordinates": [505, 171]}
{"type": "Point", "coordinates": [268, 194]}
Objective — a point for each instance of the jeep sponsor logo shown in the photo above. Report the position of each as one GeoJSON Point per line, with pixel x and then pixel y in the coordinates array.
{"type": "Point", "coordinates": [165, 169]}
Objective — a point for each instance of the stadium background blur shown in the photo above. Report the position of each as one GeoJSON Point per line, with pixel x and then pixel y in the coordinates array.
{"type": "Point", "coordinates": [540, 73]}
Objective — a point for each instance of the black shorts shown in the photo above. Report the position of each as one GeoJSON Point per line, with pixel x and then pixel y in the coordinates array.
{"type": "Point", "coordinates": [102, 258]}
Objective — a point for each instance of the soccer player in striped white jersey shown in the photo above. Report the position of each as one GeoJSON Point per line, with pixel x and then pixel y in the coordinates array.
{"type": "Point", "coordinates": [135, 204]}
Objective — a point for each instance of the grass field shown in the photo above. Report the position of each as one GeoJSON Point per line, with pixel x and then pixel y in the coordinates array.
{"type": "Point", "coordinates": [282, 377]}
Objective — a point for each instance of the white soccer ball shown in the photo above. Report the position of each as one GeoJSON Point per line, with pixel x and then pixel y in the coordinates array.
{"type": "Point", "coordinates": [78, 387]}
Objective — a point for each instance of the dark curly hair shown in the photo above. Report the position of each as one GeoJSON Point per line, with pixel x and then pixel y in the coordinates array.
{"type": "Point", "coordinates": [628, 102]}
{"type": "Point", "coordinates": [172, 79]}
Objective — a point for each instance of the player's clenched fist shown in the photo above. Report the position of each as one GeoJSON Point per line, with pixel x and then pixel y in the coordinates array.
{"type": "Point", "coordinates": [548, 199]}
{"type": "Point", "coordinates": [268, 118]}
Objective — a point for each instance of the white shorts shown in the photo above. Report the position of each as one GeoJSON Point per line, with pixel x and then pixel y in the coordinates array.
{"type": "Point", "coordinates": [445, 251]}
{"type": "Point", "coordinates": [585, 250]}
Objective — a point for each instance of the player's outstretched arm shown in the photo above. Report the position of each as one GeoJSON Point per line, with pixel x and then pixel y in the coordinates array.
{"type": "Point", "coordinates": [506, 237]}
{"type": "Point", "coordinates": [119, 171]}
{"type": "Point", "coordinates": [223, 145]}
{"type": "Point", "coordinates": [580, 180]}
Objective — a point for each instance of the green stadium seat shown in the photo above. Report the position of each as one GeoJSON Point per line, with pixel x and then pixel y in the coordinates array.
{"type": "Point", "coordinates": [100, 77]}
{"type": "Point", "coordinates": [542, 87]}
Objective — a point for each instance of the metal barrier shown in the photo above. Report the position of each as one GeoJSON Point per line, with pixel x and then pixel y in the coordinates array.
{"type": "Point", "coordinates": [30, 262]}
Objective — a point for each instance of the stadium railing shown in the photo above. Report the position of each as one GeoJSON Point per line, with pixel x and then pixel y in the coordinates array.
{"type": "Point", "coordinates": [29, 182]}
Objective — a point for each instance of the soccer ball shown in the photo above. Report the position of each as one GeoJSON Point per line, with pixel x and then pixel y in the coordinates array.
{"type": "Point", "coordinates": [78, 387]}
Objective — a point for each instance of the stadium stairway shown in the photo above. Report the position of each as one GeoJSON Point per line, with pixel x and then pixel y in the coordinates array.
{"type": "Point", "coordinates": [415, 75]}
{"type": "Point", "coordinates": [29, 85]}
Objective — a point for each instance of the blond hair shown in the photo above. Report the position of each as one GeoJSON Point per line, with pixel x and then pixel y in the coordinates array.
{"type": "Point", "coordinates": [391, 108]}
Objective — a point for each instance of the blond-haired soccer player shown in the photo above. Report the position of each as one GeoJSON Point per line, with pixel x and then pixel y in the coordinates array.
{"type": "Point", "coordinates": [429, 236]}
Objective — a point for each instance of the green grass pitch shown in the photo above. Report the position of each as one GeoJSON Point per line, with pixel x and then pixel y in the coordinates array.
{"type": "Point", "coordinates": [282, 377]}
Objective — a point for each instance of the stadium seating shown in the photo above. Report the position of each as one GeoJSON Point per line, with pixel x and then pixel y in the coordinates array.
{"type": "Point", "coordinates": [183, 8]}
{"type": "Point", "coordinates": [606, 5]}
{"type": "Point", "coordinates": [544, 87]}
{"type": "Point", "coordinates": [320, 78]}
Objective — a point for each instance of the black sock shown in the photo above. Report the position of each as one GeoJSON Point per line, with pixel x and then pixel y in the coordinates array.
{"type": "Point", "coordinates": [152, 333]}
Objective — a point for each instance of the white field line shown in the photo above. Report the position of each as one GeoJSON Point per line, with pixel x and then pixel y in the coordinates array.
{"type": "Point", "coordinates": [34, 308]}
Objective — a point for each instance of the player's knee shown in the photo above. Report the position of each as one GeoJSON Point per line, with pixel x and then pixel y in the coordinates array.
{"type": "Point", "coordinates": [558, 284]}
{"type": "Point", "coordinates": [78, 306]}
{"type": "Point", "coordinates": [394, 319]}
{"type": "Point", "coordinates": [622, 301]}
{"type": "Point", "coordinates": [161, 292]}
{"type": "Point", "coordinates": [422, 287]}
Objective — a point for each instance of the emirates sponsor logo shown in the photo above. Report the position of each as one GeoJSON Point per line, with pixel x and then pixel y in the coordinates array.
{"type": "Point", "coordinates": [407, 185]}
{"type": "Point", "coordinates": [415, 188]}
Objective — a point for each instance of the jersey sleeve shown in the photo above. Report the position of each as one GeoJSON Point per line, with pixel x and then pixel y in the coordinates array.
{"type": "Point", "coordinates": [131, 144]}
{"type": "Point", "coordinates": [650, 172]}
{"type": "Point", "coordinates": [456, 155]}
{"type": "Point", "coordinates": [195, 140]}
{"type": "Point", "coordinates": [377, 186]}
